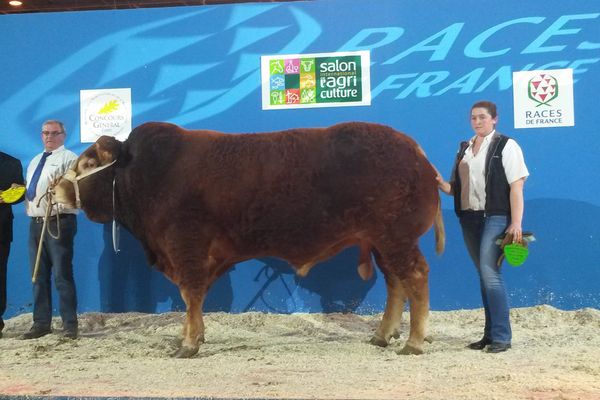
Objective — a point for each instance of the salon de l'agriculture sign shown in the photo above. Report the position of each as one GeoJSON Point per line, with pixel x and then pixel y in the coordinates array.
{"type": "Point", "coordinates": [315, 80]}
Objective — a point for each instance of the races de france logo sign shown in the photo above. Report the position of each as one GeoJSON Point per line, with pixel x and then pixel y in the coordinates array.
{"type": "Point", "coordinates": [543, 98]}
{"type": "Point", "coordinates": [315, 80]}
{"type": "Point", "coordinates": [542, 89]}
{"type": "Point", "coordinates": [105, 112]}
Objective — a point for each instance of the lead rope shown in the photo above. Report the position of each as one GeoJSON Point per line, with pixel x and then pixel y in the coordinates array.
{"type": "Point", "coordinates": [46, 227]}
{"type": "Point", "coordinates": [116, 230]}
{"type": "Point", "coordinates": [71, 176]}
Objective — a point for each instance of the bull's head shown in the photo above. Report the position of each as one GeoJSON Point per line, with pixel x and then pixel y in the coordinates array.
{"type": "Point", "coordinates": [88, 183]}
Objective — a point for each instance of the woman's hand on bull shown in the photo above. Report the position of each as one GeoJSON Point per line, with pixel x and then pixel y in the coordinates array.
{"type": "Point", "coordinates": [443, 185]}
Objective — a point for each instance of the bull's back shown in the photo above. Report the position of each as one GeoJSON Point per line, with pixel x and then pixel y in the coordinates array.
{"type": "Point", "coordinates": [311, 184]}
{"type": "Point", "coordinates": [297, 185]}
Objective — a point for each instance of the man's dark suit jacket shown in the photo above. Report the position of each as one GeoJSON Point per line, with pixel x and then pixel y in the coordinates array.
{"type": "Point", "coordinates": [11, 171]}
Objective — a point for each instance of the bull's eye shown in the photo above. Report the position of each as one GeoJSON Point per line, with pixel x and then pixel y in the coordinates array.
{"type": "Point", "coordinates": [90, 163]}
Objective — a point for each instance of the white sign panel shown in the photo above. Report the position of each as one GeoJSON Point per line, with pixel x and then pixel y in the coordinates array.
{"type": "Point", "coordinates": [543, 99]}
{"type": "Point", "coordinates": [316, 80]}
{"type": "Point", "coordinates": [105, 112]}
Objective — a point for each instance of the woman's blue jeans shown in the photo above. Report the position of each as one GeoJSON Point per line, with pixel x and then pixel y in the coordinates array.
{"type": "Point", "coordinates": [480, 234]}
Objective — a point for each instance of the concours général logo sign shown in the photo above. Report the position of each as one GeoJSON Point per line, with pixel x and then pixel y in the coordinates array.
{"type": "Point", "coordinates": [105, 112]}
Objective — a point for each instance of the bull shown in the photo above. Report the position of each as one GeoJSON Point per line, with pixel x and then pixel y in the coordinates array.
{"type": "Point", "coordinates": [201, 201]}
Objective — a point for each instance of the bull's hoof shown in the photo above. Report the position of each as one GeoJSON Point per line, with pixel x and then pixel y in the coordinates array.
{"type": "Point", "coordinates": [377, 340]}
{"type": "Point", "coordinates": [396, 334]}
{"type": "Point", "coordinates": [185, 352]}
{"type": "Point", "coordinates": [408, 349]}
{"type": "Point", "coordinates": [428, 339]}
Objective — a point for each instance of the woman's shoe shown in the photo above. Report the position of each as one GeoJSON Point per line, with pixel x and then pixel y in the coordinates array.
{"type": "Point", "coordinates": [479, 345]}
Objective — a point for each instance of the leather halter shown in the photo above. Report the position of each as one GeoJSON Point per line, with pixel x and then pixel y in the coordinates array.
{"type": "Point", "coordinates": [72, 177]}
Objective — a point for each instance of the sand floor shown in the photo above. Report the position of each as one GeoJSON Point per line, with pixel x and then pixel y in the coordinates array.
{"type": "Point", "coordinates": [555, 355]}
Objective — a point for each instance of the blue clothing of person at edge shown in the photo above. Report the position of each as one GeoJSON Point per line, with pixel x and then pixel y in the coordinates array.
{"type": "Point", "coordinates": [487, 184]}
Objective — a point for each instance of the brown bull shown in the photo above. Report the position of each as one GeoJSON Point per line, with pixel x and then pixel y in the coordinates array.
{"type": "Point", "coordinates": [201, 201]}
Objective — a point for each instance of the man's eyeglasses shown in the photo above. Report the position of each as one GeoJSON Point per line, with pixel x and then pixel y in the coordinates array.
{"type": "Point", "coordinates": [52, 133]}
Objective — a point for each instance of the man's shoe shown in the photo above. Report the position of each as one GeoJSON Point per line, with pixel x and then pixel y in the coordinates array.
{"type": "Point", "coordinates": [70, 334]}
{"type": "Point", "coordinates": [35, 333]}
{"type": "Point", "coordinates": [479, 345]}
{"type": "Point", "coordinates": [498, 347]}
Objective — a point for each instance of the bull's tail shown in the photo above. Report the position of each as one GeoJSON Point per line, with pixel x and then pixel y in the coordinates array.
{"type": "Point", "coordinates": [438, 228]}
{"type": "Point", "coordinates": [438, 222]}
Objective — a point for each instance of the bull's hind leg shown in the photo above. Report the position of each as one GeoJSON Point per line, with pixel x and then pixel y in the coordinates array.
{"type": "Point", "coordinates": [405, 272]}
{"type": "Point", "coordinates": [392, 315]}
{"type": "Point", "coordinates": [193, 328]}
{"type": "Point", "coordinates": [416, 287]}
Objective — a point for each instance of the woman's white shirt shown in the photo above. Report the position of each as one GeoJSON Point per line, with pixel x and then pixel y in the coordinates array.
{"type": "Point", "coordinates": [472, 171]}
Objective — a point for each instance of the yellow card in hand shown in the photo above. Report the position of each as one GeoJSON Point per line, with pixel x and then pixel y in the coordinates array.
{"type": "Point", "coordinates": [12, 194]}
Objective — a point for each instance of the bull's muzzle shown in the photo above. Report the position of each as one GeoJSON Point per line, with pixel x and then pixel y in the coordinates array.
{"type": "Point", "coordinates": [70, 176]}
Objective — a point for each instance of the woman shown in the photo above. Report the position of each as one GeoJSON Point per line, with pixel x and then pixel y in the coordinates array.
{"type": "Point", "coordinates": [487, 185]}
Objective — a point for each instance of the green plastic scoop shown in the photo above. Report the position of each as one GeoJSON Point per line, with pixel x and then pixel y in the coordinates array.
{"type": "Point", "coordinates": [515, 254]}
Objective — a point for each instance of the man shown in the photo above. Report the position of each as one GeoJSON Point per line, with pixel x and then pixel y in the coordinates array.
{"type": "Point", "coordinates": [11, 175]}
{"type": "Point", "coordinates": [57, 254]}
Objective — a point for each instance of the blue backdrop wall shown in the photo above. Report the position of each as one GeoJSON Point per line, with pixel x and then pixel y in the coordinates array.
{"type": "Point", "coordinates": [199, 67]}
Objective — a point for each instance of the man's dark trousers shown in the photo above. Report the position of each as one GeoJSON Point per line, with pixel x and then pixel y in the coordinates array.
{"type": "Point", "coordinates": [57, 259]}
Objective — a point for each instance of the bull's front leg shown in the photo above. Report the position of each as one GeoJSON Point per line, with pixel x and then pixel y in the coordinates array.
{"type": "Point", "coordinates": [193, 327]}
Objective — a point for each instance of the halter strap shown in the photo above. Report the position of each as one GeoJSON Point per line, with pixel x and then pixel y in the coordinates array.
{"type": "Point", "coordinates": [72, 177]}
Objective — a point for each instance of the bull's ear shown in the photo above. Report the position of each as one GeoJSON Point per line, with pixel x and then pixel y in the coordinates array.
{"type": "Point", "coordinates": [108, 149]}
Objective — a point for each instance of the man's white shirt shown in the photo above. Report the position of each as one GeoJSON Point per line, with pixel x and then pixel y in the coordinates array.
{"type": "Point", "coordinates": [56, 165]}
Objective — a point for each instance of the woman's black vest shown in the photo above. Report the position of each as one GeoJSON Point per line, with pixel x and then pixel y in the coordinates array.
{"type": "Point", "coordinates": [497, 188]}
